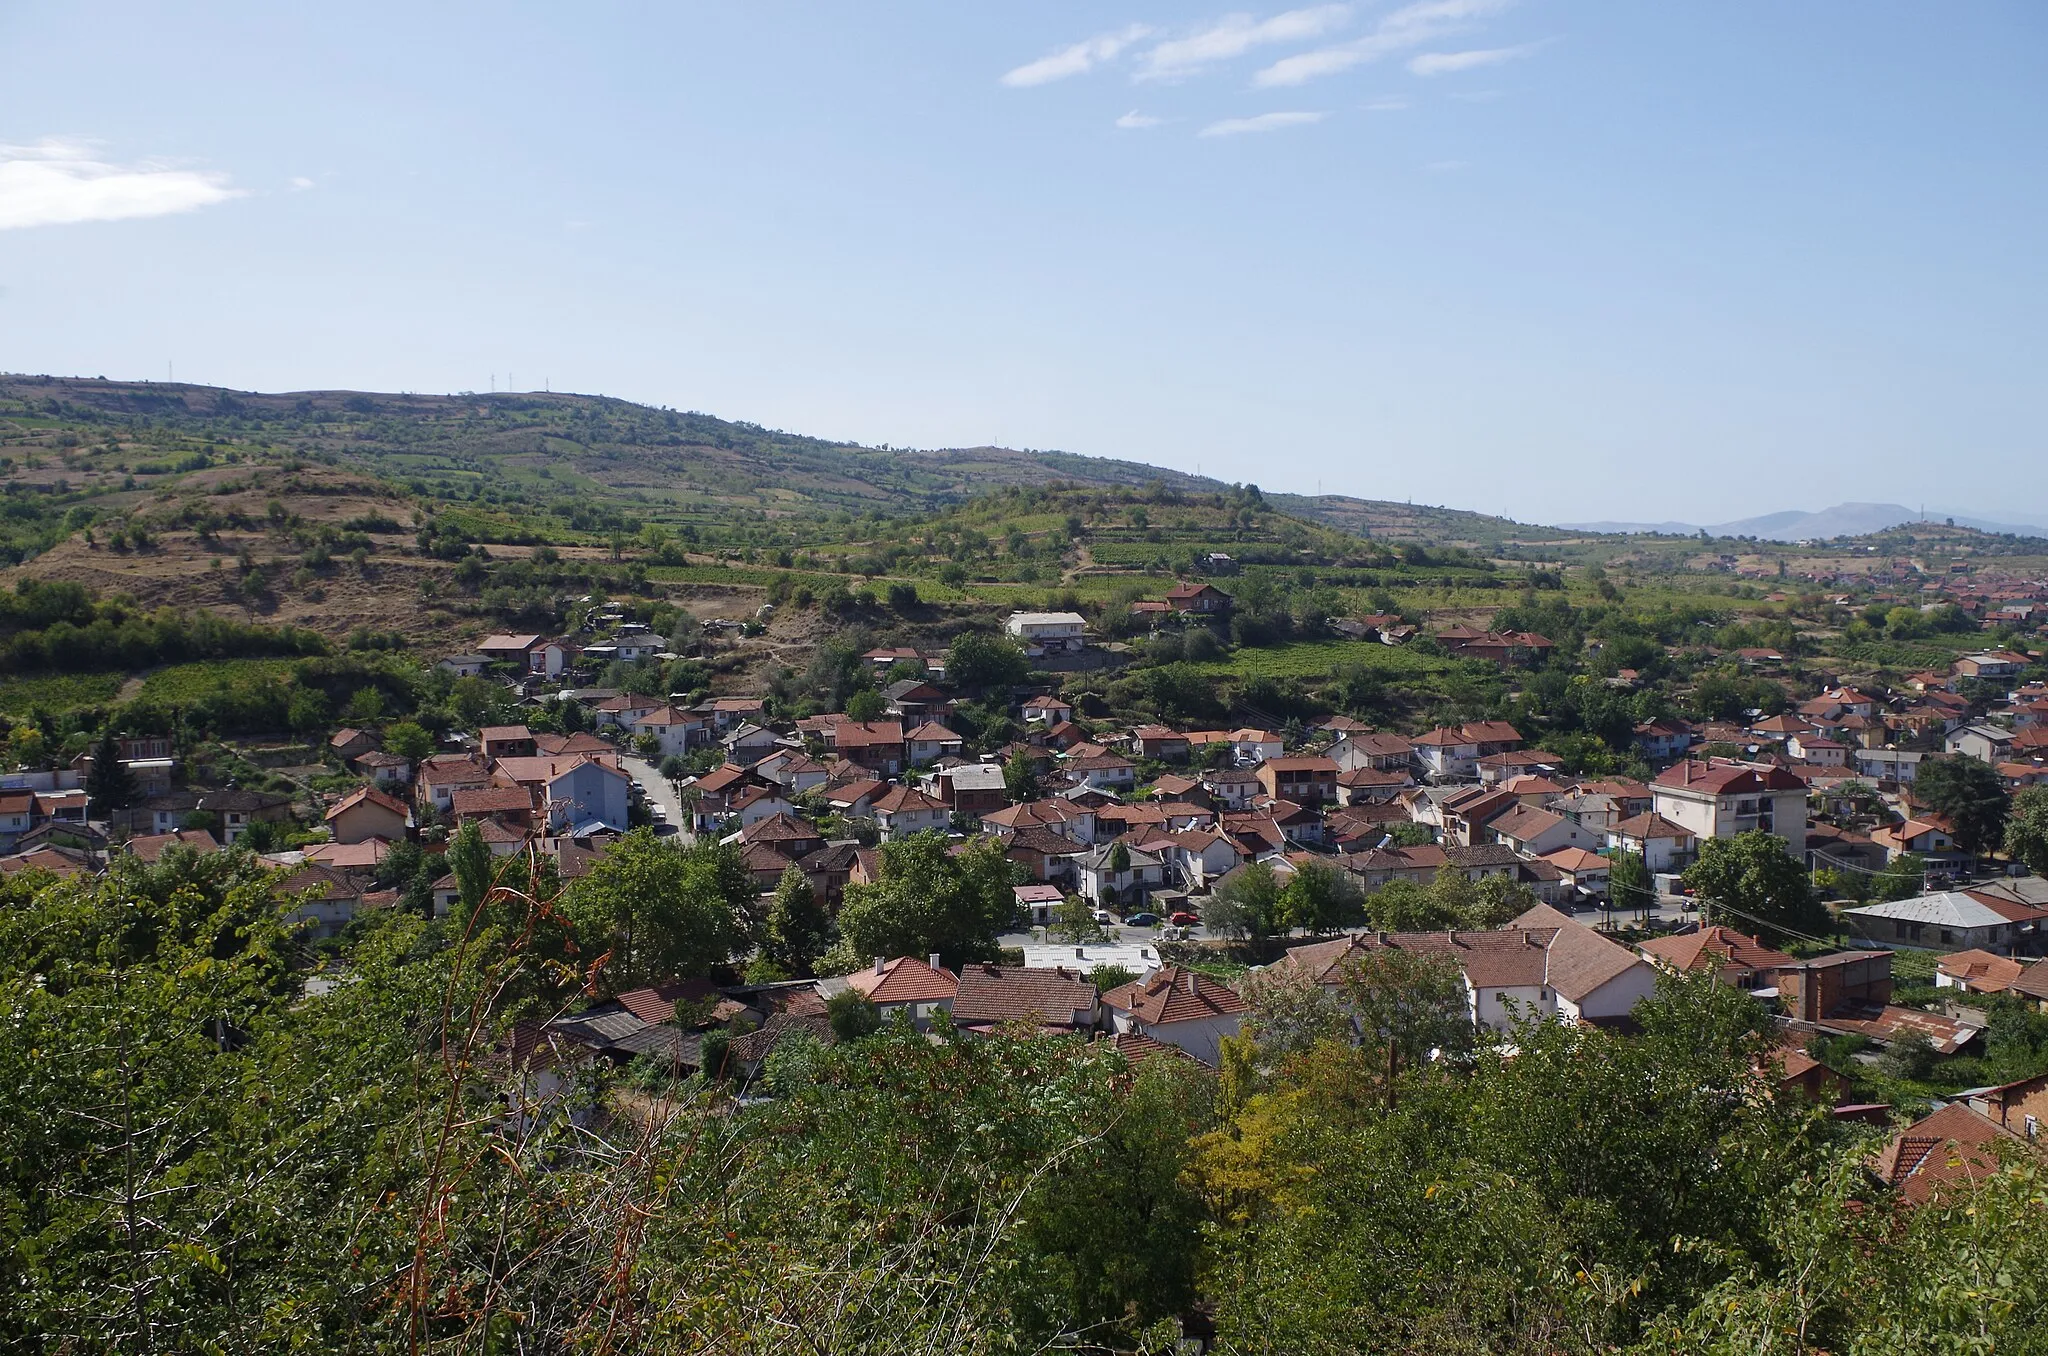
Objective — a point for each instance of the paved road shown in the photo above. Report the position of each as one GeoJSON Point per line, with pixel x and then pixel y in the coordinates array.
{"type": "Point", "coordinates": [660, 793]}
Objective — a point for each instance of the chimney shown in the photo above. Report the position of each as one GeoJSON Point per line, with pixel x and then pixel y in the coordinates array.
{"type": "Point", "coordinates": [933, 960]}
{"type": "Point", "coordinates": [1191, 980]}
{"type": "Point", "coordinates": [1533, 940]}
{"type": "Point", "coordinates": [880, 965]}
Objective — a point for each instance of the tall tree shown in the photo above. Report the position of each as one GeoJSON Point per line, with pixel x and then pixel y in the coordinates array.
{"type": "Point", "coordinates": [978, 661]}
{"type": "Point", "coordinates": [469, 858]}
{"type": "Point", "coordinates": [798, 927]}
{"type": "Point", "coordinates": [663, 911]}
{"type": "Point", "coordinates": [1020, 778]}
{"type": "Point", "coordinates": [110, 786]}
{"type": "Point", "coordinates": [1321, 898]}
{"type": "Point", "coordinates": [929, 899]}
{"type": "Point", "coordinates": [2026, 829]}
{"type": "Point", "coordinates": [1245, 905]}
{"type": "Point", "coordinates": [1970, 795]}
{"type": "Point", "coordinates": [1751, 882]}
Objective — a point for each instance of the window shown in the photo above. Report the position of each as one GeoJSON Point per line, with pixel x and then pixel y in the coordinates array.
{"type": "Point", "coordinates": [1947, 937]}
{"type": "Point", "coordinates": [2033, 1127]}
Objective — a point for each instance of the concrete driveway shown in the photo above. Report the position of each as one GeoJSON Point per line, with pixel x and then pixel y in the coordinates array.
{"type": "Point", "coordinates": [659, 792]}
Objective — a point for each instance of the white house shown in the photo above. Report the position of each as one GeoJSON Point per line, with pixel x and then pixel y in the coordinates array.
{"type": "Point", "coordinates": [1048, 632]}
{"type": "Point", "coordinates": [1722, 799]}
{"type": "Point", "coordinates": [1182, 1008]}
{"type": "Point", "coordinates": [922, 988]}
{"type": "Point", "coordinates": [670, 727]}
{"type": "Point", "coordinates": [1663, 845]}
{"type": "Point", "coordinates": [905, 810]}
{"type": "Point", "coordinates": [1144, 871]}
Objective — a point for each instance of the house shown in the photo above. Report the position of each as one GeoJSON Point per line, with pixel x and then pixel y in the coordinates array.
{"type": "Point", "coordinates": [17, 815]}
{"type": "Point", "coordinates": [990, 996]}
{"type": "Point", "coordinates": [1198, 600]}
{"type": "Point", "coordinates": [233, 810]}
{"type": "Point", "coordinates": [1950, 920]}
{"type": "Point", "coordinates": [1541, 965]}
{"type": "Point", "coordinates": [1304, 780]}
{"type": "Point", "coordinates": [1531, 832]}
{"type": "Point", "coordinates": [349, 742]}
{"type": "Point", "coordinates": [876, 745]}
{"type": "Point", "coordinates": [2020, 1106]}
{"type": "Point", "coordinates": [1733, 958]}
{"type": "Point", "coordinates": [367, 813]}
{"type": "Point", "coordinates": [1181, 1008]}
{"type": "Point", "coordinates": [324, 898]}
{"type": "Point", "coordinates": [904, 810]}
{"type": "Point", "coordinates": [793, 770]}
{"type": "Point", "coordinates": [1581, 872]}
{"type": "Point", "coordinates": [1662, 739]}
{"type": "Point", "coordinates": [1977, 972]}
{"type": "Point", "coordinates": [854, 799]}
{"type": "Point", "coordinates": [1447, 754]}
{"type": "Point", "coordinates": [1818, 751]}
{"type": "Point", "coordinates": [442, 775]}
{"type": "Point", "coordinates": [726, 712]}
{"type": "Point", "coordinates": [1721, 799]}
{"type": "Point", "coordinates": [1043, 633]}
{"type": "Point", "coordinates": [1379, 752]}
{"type": "Point", "coordinates": [1055, 813]}
{"type": "Point", "coordinates": [1045, 856]}
{"type": "Point", "coordinates": [921, 988]}
{"type": "Point", "coordinates": [509, 649]}
{"type": "Point", "coordinates": [930, 742]}
{"type": "Point", "coordinates": [509, 807]}
{"type": "Point", "coordinates": [1928, 835]}
{"type": "Point", "coordinates": [1105, 771]}
{"type": "Point", "coordinates": [972, 789]}
{"type": "Point", "coordinates": [673, 730]}
{"type": "Point", "coordinates": [1369, 786]}
{"type": "Point", "coordinates": [1231, 788]}
{"type": "Point", "coordinates": [748, 743]}
{"type": "Point", "coordinates": [1045, 709]}
{"type": "Point", "coordinates": [1887, 765]}
{"type": "Point", "coordinates": [1105, 886]}
{"type": "Point", "coordinates": [1995, 666]}
{"type": "Point", "coordinates": [1663, 845]}
{"type": "Point", "coordinates": [617, 712]}
{"type": "Point", "coordinates": [1160, 743]}
{"type": "Point", "coordinates": [884, 658]}
{"type": "Point", "coordinates": [1200, 856]}
{"type": "Point", "coordinates": [1250, 746]}
{"type": "Point", "coordinates": [914, 700]}
{"type": "Point", "coordinates": [572, 791]}
{"type": "Point", "coordinates": [1985, 742]}
{"type": "Point", "coordinates": [384, 770]}
{"type": "Point", "coordinates": [1942, 1153]}
{"type": "Point", "coordinates": [506, 741]}
{"type": "Point", "coordinates": [151, 847]}
{"type": "Point", "coordinates": [1038, 903]}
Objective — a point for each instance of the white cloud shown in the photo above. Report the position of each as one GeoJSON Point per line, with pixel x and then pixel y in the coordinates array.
{"type": "Point", "coordinates": [58, 183]}
{"type": "Point", "coordinates": [1407, 27]}
{"type": "Point", "coordinates": [300, 183]}
{"type": "Point", "coordinates": [1134, 121]}
{"type": "Point", "coordinates": [1079, 59]}
{"type": "Point", "coordinates": [1389, 103]}
{"type": "Point", "coordinates": [1233, 36]}
{"type": "Point", "coordinates": [1264, 122]}
{"type": "Point", "coordinates": [1449, 63]}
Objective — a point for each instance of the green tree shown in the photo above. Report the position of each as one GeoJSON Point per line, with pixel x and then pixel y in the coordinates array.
{"type": "Point", "coordinates": [1245, 905]}
{"type": "Point", "coordinates": [1074, 921]}
{"type": "Point", "coordinates": [1751, 882]}
{"type": "Point", "coordinates": [2026, 830]}
{"type": "Point", "coordinates": [1629, 884]}
{"type": "Point", "coordinates": [978, 661]}
{"type": "Point", "coordinates": [1020, 778]}
{"type": "Point", "coordinates": [1321, 898]}
{"type": "Point", "coordinates": [408, 739]}
{"type": "Point", "coordinates": [470, 859]}
{"type": "Point", "coordinates": [929, 899]}
{"type": "Point", "coordinates": [109, 786]}
{"type": "Point", "coordinates": [1404, 906]}
{"type": "Point", "coordinates": [662, 911]}
{"type": "Point", "coordinates": [1970, 795]}
{"type": "Point", "coordinates": [853, 1016]}
{"type": "Point", "coordinates": [865, 704]}
{"type": "Point", "coordinates": [799, 929]}
{"type": "Point", "coordinates": [1498, 901]}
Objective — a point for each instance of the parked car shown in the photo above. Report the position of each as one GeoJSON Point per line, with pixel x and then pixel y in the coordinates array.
{"type": "Point", "coordinates": [1102, 917]}
{"type": "Point", "coordinates": [1184, 919]}
{"type": "Point", "coordinates": [1143, 920]}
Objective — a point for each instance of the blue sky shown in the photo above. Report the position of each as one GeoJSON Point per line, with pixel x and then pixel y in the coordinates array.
{"type": "Point", "coordinates": [1555, 260]}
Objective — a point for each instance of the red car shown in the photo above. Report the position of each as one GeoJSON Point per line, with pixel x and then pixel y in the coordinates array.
{"type": "Point", "coordinates": [1184, 919]}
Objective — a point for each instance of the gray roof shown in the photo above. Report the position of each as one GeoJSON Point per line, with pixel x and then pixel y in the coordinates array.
{"type": "Point", "coordinates": [975, 777]}
{"type": "Point", "coordinates": [1947, 908]}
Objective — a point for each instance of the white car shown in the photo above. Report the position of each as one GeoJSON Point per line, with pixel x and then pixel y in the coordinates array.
{"type": "Point", "coordinates": [658, 811]}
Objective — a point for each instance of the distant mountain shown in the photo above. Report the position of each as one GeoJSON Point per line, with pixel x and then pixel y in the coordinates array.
{"type": "Point", "coordinates": [1843, 520]}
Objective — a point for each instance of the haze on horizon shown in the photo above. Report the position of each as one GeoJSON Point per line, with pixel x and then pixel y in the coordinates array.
{"type": "Point", "coordinates": [1551, 259]}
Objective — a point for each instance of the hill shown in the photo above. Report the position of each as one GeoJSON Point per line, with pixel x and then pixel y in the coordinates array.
{"type": "Point", "coordinates": [1841, 520]}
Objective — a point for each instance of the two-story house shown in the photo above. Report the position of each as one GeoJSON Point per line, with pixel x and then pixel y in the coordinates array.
{"type": "Point", "coordinates": [1720, 799]}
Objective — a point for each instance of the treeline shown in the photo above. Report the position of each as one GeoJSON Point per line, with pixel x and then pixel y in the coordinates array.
{"type": "Point", "coordinates": [366, 1170]}
{"type": "Point", "coordinates": [59, 626]}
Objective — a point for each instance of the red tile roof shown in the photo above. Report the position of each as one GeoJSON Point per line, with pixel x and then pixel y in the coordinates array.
{"type": "Point", "coordinates": [904, 980]}
{"type": "Point", "coordinates": [1175, 995]}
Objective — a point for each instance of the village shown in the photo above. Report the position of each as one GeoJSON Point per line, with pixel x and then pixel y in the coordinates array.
{"type": "Point", "coordinates": [1146, 859]}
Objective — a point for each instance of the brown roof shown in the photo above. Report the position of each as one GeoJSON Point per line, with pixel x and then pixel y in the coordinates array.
{"type": "Point", "coordinates": [859, 734]}
{"type": "Point", "coordinates": [1726, 779]}
{"type": "Point", "coordinates": [1646, 826]}
{"type": "Point", "coordinates": [150, 847]}
{"type": "Point", "coordinates": [1716, 949]}
{"type": "Point", "coordinates": [1006, 993]}
{"type": "Point", "coordinates": [1954, 1144]}
{"type": "Point", "coordinates": [906, 799]}
{"type": "Point", "coordinates": [904, 980]}
{"type": "Point", "coordinates": [370, 795]}
{"type": "Point", "coordinates": [491, 800]}
{"type": "Point", "coordinates": [1981, 970]}
{"type": "Point", "coordinates": [1581, 960]}
{"type": "Point", "coordinates": [1137, 1048]}
{"type": "Point", "coordinates": [1174, 995]}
